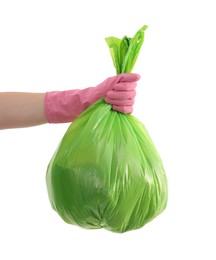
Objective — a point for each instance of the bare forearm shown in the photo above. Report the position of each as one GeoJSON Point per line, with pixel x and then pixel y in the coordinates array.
{"type": "Point", "coordinates": [19, 109]}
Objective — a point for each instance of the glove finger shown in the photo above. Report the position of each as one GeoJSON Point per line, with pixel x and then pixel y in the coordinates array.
{"type": "Point", "coordinates": [123, 109]}
{"type": "Point", "coordinates": [128, 77]}
{"type": "Point", "coordinates": [125, 86]}
{"type": "Point", "coordinates": [117, 102]}
{"type": "Point", "coordinates": [121, 95]}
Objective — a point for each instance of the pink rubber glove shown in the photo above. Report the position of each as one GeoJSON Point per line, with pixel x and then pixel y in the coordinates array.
{"type": "Point", "coordinates": [65, 106]}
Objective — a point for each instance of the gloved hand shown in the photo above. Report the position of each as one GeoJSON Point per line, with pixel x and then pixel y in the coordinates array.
{"type": "Point", "coordinates": [65, 106]}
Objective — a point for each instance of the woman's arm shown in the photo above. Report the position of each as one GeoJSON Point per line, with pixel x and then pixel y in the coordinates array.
{"type": "Point", "coordinates": [20, 109]}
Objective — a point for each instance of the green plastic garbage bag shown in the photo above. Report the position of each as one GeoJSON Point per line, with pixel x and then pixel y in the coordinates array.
{"type": "Point", "coordinates": [106, 172]}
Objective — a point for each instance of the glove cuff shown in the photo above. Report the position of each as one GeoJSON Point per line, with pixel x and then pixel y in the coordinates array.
{"type": "Point", "coordinates": [65, 106]}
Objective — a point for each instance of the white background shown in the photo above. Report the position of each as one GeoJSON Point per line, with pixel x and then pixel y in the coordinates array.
{"type": "Point", "coordinates": [58, 45]}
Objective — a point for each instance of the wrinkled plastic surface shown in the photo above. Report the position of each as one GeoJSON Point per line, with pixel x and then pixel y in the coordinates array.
{"type": "Point", "coordinates": [125, 51]}
{"type": "Point", "coordinates": [106, 172]}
